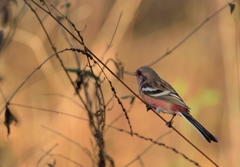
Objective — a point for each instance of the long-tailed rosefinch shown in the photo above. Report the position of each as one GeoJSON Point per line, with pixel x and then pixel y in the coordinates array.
{"type": "Point", "coordinates": [161, 96]}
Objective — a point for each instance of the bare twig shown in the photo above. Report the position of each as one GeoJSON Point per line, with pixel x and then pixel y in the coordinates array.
{"type": "Point", "coordinates": [85, 119]}
{"type": "Point", "coordinates": [27, 78]}
{"type": "Point", "coordinates": [117, 118]}
{"type": "Point", "coordinates": [110, 44]}
{"type": "Point", "coordinates": [3, 95]}
{"type": "Point", "coordinates": [66, 37]}
{"type": "Point", "coordinates": [64, 96]}
{"type": "Point", "coordinates": [189, 35]}
{"type": "Point", "coordinates": [29, 152]}
{"type": "Point", "coordinates": [64, 157]}
{"type": "Point", "coordinates": [85, 150]}
{"type": "Point", "coordinates": [145, 150]}
{"type": "Point", "coordinates": [46, 153]}
{"type": "Point", "coordinates": [155, 142]}
{"type": "Point", "coordinates": [118, 99]}
{"type": "Point", "coordinates": [53, 47]}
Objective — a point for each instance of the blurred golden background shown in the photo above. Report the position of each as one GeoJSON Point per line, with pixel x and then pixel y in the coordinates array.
{"type": "Point", "coordinates": [203, 70]}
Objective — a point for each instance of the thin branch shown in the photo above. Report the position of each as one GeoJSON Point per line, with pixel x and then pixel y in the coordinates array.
{"type": "Point", "coordinates": [110, 44]}
{"type": "Point", "coordinates": [3, 95]}
{"type": "Point", "coordinates": [46, 153]}
{"type": "Point", "coordinates": [110, 100]}
{"type": "Point", "coordinates": [140, 161]}
{"type": "Point", "coordinates": [19, 161]}
{"type": "Point", "coordinates": [64, 96]}
{"type": "Point", "coordinates": [31, 74]}
{"type": "Point", "coordinates": [66, 37]}
{"type": "Point", "coordinates": [118, 129]}
{"type": "Point", "coordinates": [64, 157]}
{"type": "Point", "coordinates": [53, 47]}
{"type": "Point", "coordinates": [72, 141]}
{"type": "Point", "coordinates": [150, 146]}
{"type": "Point", "coordinates": [118, 99]}
{"type": "Point", "coordinates": [189, 35]}
{"type": "Point", "coordinates": [44, 109]}
{"type": "Point", "coordinates": [157, 143]}
{"type": "Point", "coordinates": [118, 117]}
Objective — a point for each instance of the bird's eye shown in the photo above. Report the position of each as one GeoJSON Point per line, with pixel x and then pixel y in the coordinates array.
{"type": "Point", "coordinates": [139, 72]}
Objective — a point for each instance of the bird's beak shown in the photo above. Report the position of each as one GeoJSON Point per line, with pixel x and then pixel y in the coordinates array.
{"type": "Point", "coordinates": [134, 74]}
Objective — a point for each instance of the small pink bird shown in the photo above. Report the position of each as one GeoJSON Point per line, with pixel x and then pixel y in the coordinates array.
{"type": "Point", "coordinates": [161, 96]}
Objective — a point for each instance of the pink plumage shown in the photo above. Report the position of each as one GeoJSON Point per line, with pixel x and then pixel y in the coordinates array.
{"type": "Point", "coordinates": [162, 97]}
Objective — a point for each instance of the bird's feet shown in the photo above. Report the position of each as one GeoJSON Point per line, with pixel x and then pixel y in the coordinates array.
{"type": "Point", "coordinates": [148, 107]}
{"type": "Point", "coordinates": [169, 123]}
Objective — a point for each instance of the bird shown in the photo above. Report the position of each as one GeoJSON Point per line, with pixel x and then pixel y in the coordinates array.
{"type": "Point", "coordinates": [161, 96]}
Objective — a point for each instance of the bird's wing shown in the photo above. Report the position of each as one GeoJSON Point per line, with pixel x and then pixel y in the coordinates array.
{"type": "Point", "coordinates": [161, 90]}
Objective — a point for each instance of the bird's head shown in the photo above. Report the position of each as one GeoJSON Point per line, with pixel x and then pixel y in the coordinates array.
{"type": "Point", "coordinates": [145, 73]}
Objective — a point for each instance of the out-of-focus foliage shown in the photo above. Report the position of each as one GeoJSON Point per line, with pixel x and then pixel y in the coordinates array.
{"type": "Point", "coordinates": [6, 11]}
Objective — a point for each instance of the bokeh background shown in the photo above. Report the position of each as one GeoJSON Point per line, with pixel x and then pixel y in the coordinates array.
{"type": "Point", "coordinates": [203, 70]}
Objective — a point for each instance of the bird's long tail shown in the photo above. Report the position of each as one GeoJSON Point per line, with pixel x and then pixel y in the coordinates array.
{"type": "Point", "coordinates": [203, 132]}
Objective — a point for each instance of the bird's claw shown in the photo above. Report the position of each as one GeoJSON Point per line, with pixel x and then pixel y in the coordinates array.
{"type": "Point", "coordinates": [148, 107]}
{"type": "Point", "coordinates": [169, 124]}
